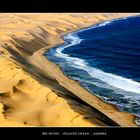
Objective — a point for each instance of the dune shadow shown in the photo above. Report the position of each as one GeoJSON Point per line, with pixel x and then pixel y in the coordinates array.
{"type": "Point", "coordinates": [90, 113]}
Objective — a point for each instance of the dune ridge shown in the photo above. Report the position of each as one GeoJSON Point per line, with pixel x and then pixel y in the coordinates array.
{"type": "Point", "coordinates": [31, 95]}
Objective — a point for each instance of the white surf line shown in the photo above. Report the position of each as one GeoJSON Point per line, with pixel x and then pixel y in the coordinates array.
{"type": "Point", "coordinates": [109, 78]}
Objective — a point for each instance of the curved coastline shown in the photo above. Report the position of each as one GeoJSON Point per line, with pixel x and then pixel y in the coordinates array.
{"type": "Point", "coordinates": [76, 40]}
{"type": "Point", "coordinates": [74, 87]}
{"type": "Point", "coordinates": [34, 98]}
{"type": "Point", "coordinates": [72, 39]}
{"type": "Point", "coordinates": [34, 91]}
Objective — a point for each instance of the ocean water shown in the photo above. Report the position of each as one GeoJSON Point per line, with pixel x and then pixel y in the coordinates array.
{"type": "Point", "coordinates": [105, 60]}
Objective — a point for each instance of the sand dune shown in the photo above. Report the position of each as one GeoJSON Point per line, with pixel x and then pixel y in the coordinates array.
{"type": "Point", "coordinates": [29, 96]}
{"type": "Point", "coordinates": [25, 102]}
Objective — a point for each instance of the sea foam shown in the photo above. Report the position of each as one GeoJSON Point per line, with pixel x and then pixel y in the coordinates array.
{"type": "Point", "coordinates": [109, 78]}
{"type": "Point", "coordinates": [105, 81]}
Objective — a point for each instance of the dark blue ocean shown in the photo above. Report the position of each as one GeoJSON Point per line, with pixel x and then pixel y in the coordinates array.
{"type": "Point", "coordinates": [105, 59]}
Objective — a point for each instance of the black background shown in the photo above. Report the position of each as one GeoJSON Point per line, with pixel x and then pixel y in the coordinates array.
{"type": "Point", "coordinates": [35, 132]}
{"type": "Point", "coordinates": [69, 6]}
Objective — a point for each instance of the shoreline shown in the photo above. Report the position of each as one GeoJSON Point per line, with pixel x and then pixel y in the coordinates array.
{"type": "Point", "coordinates": [85, 95]}
{"type": "Point", "coordinates": [34, 91]}
{"type": "Point", "coordinates": [66, 43]}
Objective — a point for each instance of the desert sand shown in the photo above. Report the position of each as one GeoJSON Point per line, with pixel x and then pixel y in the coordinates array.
{"type": "Point", "coordinates": [33, 91]}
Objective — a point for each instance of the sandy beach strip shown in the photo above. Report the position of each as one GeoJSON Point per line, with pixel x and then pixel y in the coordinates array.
{"type": "Point", "coordinates": [34, 91]}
